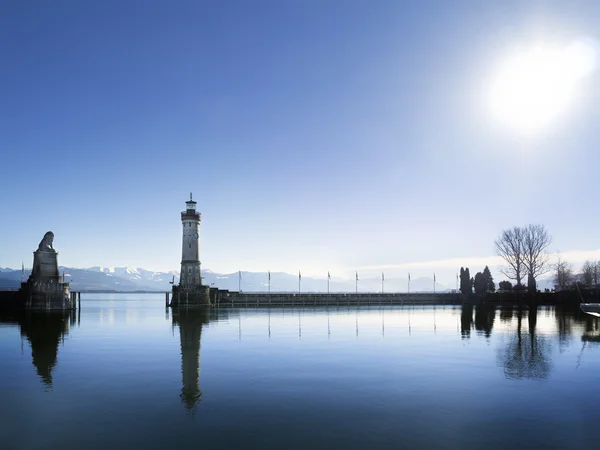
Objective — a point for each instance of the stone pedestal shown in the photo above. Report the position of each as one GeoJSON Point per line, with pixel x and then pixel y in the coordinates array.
{"type": "Point", "coordinates": [45, 265]}
{"type": "Point", "coordinates": [47, 295]}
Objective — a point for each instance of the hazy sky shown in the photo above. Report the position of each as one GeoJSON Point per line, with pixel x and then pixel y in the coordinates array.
{"type": "Point", "coordinates": [315, 135]}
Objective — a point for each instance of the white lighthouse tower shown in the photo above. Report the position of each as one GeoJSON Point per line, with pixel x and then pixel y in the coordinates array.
{"type": "Point", "coordinates": [190, 277]}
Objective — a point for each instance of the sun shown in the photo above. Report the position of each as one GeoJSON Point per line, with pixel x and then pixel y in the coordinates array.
{"type": "Point", "coordinates": [533, 87]}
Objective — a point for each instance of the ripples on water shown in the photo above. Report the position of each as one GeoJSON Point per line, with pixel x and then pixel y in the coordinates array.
{"type": "Point", "coordinates": [125, 373]}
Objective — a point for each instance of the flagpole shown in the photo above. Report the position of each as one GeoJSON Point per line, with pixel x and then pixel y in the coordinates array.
{"type": "Point", "coordinates": [299, 279]}
{"type": "Point", "coordinates": [409, 282]}
{"type": "Point", "coordinates": [382, 278]}
{"type": "Point", "coordinates": [240, 281]}
{"type": "Point", "coordinates": [356, 283]}
{"type": "Point", "coordinates": [328, 278]}
{"type": "Point", "coordinates": [269, 282]}
{"type": "Point", "coordinates": [434, 282]}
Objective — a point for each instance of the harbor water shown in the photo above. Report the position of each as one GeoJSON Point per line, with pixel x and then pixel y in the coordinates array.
{"type": "Point", "coordinates": [124, 372]}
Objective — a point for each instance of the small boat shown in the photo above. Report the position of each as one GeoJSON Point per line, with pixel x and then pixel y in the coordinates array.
{"type": "Point", "coordinates": [591, 308]}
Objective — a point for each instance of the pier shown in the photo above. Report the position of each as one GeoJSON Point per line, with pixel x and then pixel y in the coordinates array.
{"type": "Point", "coordinates": [242, 299]}
{"type": "Point", "coordinates": [224, 298]}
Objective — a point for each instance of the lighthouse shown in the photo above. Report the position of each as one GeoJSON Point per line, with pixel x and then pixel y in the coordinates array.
{"type": "Point", "coordinates": [190, 277]}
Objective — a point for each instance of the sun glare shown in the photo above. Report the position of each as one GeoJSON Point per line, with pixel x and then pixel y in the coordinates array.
{"type": "Point", "coordinates": [535, 86]}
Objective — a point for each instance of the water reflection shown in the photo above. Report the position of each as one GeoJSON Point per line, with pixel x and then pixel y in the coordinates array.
{"type": "Point", "coordinates": [484, 319]}
{"type": "Point", "coordinates": [526, 355]}
{"type": "Point", "coordinates": [506, 314]}
{"type": "Point", "coordinates": [190, 322]}
{"type": "Point", "coordinates": [591, 332]}
{"type": "Point", "coordinates": [466, 321]}
{"type": "Point", "coordinates": [569, 320]}
{"type": "Point", "coordinates": [44, 331]}
{"type": "Point", "coordinates": [485, 315]}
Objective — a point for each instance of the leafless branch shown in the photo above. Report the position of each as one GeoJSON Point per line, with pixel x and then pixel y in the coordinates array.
{"type": "Point", "coordinates": [535, 242]}
{"type": "Point", "coordinates": [510, 247]}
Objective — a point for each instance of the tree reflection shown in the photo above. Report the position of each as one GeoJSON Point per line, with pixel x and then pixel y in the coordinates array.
{"type": "Point", "coordinates": [485, 315]}
{"type": "Point", "coordinates": [570, 320]}
{"type": "Point", "coordinates": [44, 331]}
{"type": "Point", "coordinates": [506, 314]}
{"type": "Point", "coordinates": [466, 321]}
{"type": "Point", "coordinates": [526, 355]}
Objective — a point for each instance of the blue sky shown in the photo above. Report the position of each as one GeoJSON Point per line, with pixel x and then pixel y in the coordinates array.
{"type": "Point", "coordinates": [315, 135]}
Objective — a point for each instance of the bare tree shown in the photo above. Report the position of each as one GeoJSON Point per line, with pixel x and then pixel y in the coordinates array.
{"type": "Point", "coordinates": [563, 274]}
{"type": "Point", "coordinates": [535, 242]}
{"type": "Point", "coordinates": [588, 270]}
{"type": "Point", "coordinates": [510, 246]}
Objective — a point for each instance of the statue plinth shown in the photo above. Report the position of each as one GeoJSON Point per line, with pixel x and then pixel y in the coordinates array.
{"type": "Point", "coordinates": [45, 266]}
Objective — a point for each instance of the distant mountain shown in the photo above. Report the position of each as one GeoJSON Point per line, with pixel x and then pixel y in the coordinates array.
{"type": "Point", "coordinates": [285, 282]}
{"type": "Point", "coordinates": [138, 279]}
{"type": "Point", "coordinates": [96, 278]}
{"type": "Point", "coordinates": [142, 278]}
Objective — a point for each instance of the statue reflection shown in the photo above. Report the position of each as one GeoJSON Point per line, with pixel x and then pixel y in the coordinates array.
{"type": "Point", "coordinates": [526, 356]}
{"type": "Point", "coordinates": [44, 331]}
{"type": "Point", "coordinates": [190, 322]}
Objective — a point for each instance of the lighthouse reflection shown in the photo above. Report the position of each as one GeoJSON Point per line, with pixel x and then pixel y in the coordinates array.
{"type": "Point", "coordinates": [190, 322]}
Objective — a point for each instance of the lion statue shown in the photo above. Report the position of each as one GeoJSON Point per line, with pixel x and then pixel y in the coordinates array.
{"type": "Point", "coordinates": [46, 243]}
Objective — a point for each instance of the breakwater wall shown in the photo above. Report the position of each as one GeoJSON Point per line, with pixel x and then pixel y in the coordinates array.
{"type": "Point", "coordinates": [9, 299]}
{"type": "Point", "coordinates": [39, 297]}
{"type": "Point", "coordinates": [226, 298]}
{"type": "Point", "coordinates": [242, 300]}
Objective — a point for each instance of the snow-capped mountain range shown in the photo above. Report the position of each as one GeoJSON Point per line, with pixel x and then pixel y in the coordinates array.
{"type": "Point", "coordinates": [138, 279]}
{"type": "Point", "coordinates": [137, 275]}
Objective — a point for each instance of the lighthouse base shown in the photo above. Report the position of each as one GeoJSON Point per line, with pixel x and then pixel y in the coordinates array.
{"type": "Point", "coordinates": [199, 296]}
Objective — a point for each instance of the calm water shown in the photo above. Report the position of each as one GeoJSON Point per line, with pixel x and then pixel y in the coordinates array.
{"type": "Point", "coordinates": [127, 374]}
